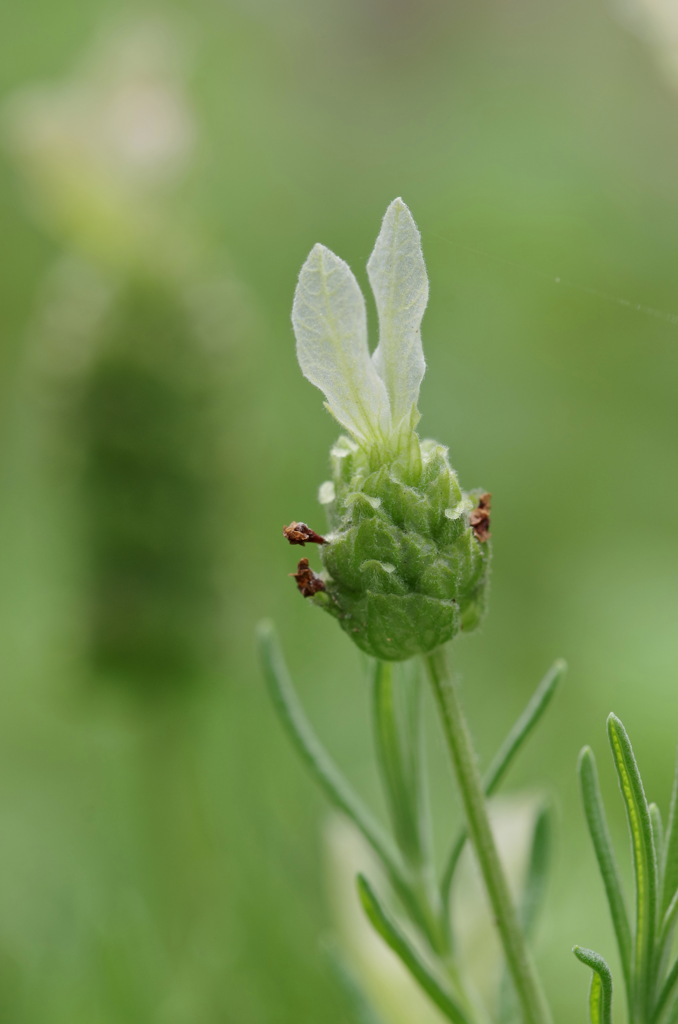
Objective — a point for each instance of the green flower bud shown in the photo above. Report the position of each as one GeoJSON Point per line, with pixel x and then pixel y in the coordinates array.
{"type": "Point", "coordinates": [405, 568]}
{"type": "Point", "coordinates": [407, 558]}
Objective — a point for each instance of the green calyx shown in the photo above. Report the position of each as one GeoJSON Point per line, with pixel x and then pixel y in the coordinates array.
{"type": "Point", "coordinates": [405, 568]}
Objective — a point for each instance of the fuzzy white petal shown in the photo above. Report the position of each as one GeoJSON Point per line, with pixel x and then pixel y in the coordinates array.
{"type": "Point", "coordinates": [398, 277]}
{"type": "Point", "coordinates": [330, 325]}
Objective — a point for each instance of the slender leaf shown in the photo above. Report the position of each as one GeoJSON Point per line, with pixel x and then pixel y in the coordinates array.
{"type": "Point", "coordinates": [330, 324]}
{"type": "Point", "coordinates": [328, 775]}
{"type": "Point", "coordinates": [524, 726]}
{"type": "Point", "coordinates": [416, 762]}
{"type": "Point", "coordinates": [399, 743]}
{"type": "Point", "coordinates": [644, 861]}
{"type": "Point", "coordinates": [385, 926]}
{"type": "Point", "coordinates": [412, 689]}
{"type": "Point", "coordinates": [607, 863]}
{"type": "Point", "coordinates": [534, 710]}
{"type": "Point", "coordinates": [392, 760]}
{"type": "Point", "coordinates": [666, 999]}
{"type": "Point", "coordinates": [600, 998]}
{"type": "Point", "coordinates": [311, 750]}
{"type": "Point", "coordinates": [399, 281]}
{"type": "Point", "coordinates": [409, 687]}
{"type": "Point", "coordinates": [538, 868]}
{"type": "Point", "coordinates": [668, 924]}
{"type": "Point", "coordinates": [670, 885]}
{"type": "Point", "coordinates": [396, 691]}
{"type": "Point", "coordinates": [659, 839]}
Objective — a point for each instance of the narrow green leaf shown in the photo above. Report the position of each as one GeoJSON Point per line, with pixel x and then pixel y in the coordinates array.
{"type": "Point", "coordinates": [330, 324]}
{"type": "Point", "coordinates": [311, 750]}
{"type": "Point", "coordinates": [658, 836]}
{"type": "Point", "coordinates": [666, 1001]}
{"type": "Point", "coordinates": [668, 924]}
{"type": "Point", "coordinates": [538, 868]}
{"type": "Point", "coordinates": [523, 727]}
{"type": "Point", "coordinates": [399, 281]}
{"type": "Point", "coordinates": [607, 863]}
{"type": "Point", "coordinates": [600, 999]}
{"type": "Point", "coordinates": [386, 927]}
{"type": "Point", "coordinates": [410, 689]}
{"type": "Point", "coordinates": [391, 758]}
{"type": "Point", "coordinates": [596, 1006]}
{"type": "Point", "coordinates": [670, 883]}
{"type": "Point", "coordinates": [325, 771]}
{"type": "Point", "coordinates": [644, 861]}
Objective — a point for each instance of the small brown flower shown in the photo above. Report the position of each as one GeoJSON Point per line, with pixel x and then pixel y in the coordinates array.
{"type": "Point", "coordinates": [300, 533]}
{"type": "Point", "coordinates": [480, 518]}
{"type": "Point", "coordinates": [308, 582]}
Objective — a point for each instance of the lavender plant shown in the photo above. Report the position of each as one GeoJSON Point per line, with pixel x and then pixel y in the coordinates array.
{"type": "Point", "coordinates": [404, 569]}
{"type": "Point", "coordinates": [644, 941]}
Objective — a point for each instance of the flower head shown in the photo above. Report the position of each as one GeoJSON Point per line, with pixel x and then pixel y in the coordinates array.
{"type": "Point", "coordinates": [406, 561]}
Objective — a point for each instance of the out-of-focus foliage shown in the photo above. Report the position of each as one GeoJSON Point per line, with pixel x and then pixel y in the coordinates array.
{"type": "Point", "coordinates": [161, 862]}
{"type": "Point", "coordinates": [152, 491]}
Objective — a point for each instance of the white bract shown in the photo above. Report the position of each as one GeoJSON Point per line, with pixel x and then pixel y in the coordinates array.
{"type": "Point", "coordinates": [372, 396]}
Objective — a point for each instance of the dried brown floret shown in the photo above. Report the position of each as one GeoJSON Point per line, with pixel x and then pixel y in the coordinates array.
{"type": "Point", "coordinates": [480, 517]}
{"type": "Point", "coordinates": [300, 533]}
{"type": "Point", "coordinates": [308, 582]}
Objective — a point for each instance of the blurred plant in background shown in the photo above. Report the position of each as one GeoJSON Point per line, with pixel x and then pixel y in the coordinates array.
{"type": "Point", "coordinates": [125, 388]}
{"type": "Point", "coordinates": [137, 396]}
{"type": "Point", "coordinates": [102, 152]}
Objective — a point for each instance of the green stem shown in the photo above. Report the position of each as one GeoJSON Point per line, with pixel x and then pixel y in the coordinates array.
{"type": "Point", "coordinates": [533, 1003]}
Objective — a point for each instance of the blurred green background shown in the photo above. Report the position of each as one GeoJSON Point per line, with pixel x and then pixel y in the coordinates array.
{"type": "Point", "coordinates": [165, 171]}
